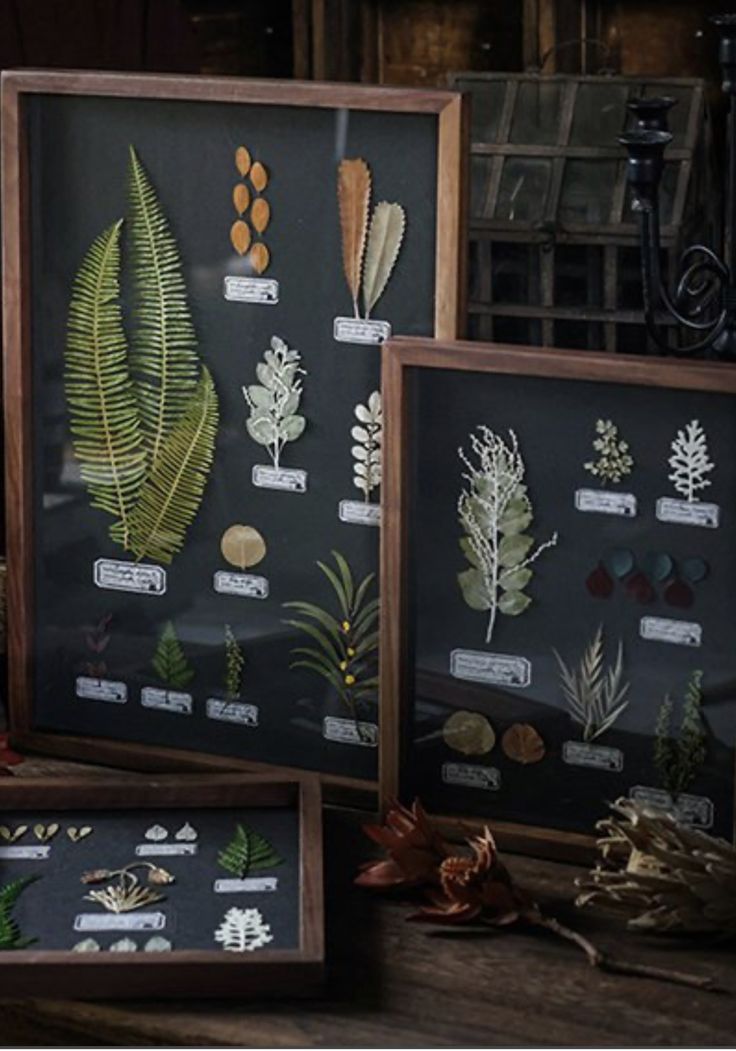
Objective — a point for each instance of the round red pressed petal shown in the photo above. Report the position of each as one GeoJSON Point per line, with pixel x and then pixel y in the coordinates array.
{"type": "Point", "coordinates": [600, 583]}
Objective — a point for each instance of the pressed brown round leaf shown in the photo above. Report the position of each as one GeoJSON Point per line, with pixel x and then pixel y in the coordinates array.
{"type": "Point", "coordinates": [259, 177]}
{"type": "Point", "coordinates": [241, 197]}
{"type": "Point", "coordinates": [260, 214]}
{"type": "Point", "coordinates": [259, 258]}
{"type": "Point", "coordinates": [240, 236]}
{"type": "Point", "coordinates": [242, 160]}
{"type": "Point", "coordinates": [242, 546]}
{"type": "Point", "coordinates": [469, 733]}
{"type": "Point", "coordinates": [523, 744]}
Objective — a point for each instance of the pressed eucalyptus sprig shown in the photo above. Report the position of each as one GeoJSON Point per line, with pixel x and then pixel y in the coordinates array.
{"type": "Point", "coordinates": [470, 884]}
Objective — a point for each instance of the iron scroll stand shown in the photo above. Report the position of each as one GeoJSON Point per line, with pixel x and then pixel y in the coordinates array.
{"type": "Point", "coordinates": [703, 303]}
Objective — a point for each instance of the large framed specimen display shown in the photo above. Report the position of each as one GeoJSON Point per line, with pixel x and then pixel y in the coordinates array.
{"type": "Point", "coordinates": [198, 276]}
{"type": "Point", "coordinates": [559, 562]}
{"type": "Point", "coordinates": [205, 885]}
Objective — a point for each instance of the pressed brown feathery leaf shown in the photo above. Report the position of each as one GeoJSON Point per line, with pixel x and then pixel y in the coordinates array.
{"type": "Point", "coordinates": [242, 160]}
{"type": "Point", "coordinates": [259, 177]}
{"type": "Point", "coordinates": [240, 236]}
{"type": "Point", "coordinates": [353, 194]}
{"type": "Point", "coordinates": [259, 258]}
{"type": "Point", "coordinates": [260, 214]}
{"type": "Point", "coordinates": [241, 197]}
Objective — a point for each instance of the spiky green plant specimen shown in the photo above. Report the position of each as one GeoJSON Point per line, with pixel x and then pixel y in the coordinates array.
{"type": "Point", "coordinates": [234, 662]}
{"type": "Point", "coordinates": [164, 347]}
{"type": "Point", "coordinates": [10, 936]}
{"type": "Point", "coordinates": [143, 418]}
{"type": "Point", "coordinates": [678, 760]}
{"type": "Point", "coordinates": [346, 650]}
{"type": "Point", "coordinates": [246, 852]}
{"type": "Point", "coordinates": [172, 493]}
{"type": "Point", "coordinates": [100, 393]}
{"type": "Point", "coordinates": [169, 661]}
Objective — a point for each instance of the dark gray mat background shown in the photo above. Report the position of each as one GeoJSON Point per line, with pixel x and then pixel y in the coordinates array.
{"type": "Point", "coordinates": [46, 908]}
{"type": "Point", "coordinates": [78, 151]}
{"type": "Point", "coordinates": [554, 421]}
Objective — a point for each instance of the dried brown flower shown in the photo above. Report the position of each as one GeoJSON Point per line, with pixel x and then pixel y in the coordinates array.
{"type": "Point", "coordinates": [414, 846]}
{"type": "Point", "coordinates": [159, 876]}
{"type": "Point", "coordinates": [97, 875]}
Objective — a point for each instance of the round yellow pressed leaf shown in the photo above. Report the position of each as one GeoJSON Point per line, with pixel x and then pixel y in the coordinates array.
{"type": "Point", "coordinates": [259, 258]}
{"type": "Point", "coordinates": [259, 177]}
{"type": "Point", "coordinates": [242, 160]}
{"type": "Point", "coordinates": [241, 197]}
{"type": "Point", "coordinates": [469, 733]}
{"type": "Point", "coordinates": [240, 236]}
{"type": "Point", "coordinates": [242, 546]}
{"type": "Point", "coordinates": [260, 214]}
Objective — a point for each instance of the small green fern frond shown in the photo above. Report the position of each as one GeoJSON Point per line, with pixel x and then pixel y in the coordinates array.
{"type": "Point", "coordinates": [100, 394]}
{"type": "Point", "coordinates": [171, 496]}
{"type": "Point", "coordinates": [164, 356]}
{"type": "Point", "coordinates": [170, 662]}
{"type": "Point", "coordinates": [247, 851]}
{"type": "Point", "coordinates": [10, 937]}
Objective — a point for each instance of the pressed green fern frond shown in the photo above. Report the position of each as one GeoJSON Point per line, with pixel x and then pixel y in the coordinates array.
{"type": "Point", "coordinates": [346, 645]}
{"type": "Point", "coordinates": [171, 496]}
{"type": "Point", "coordinates": [164, 355]}
{"type": "Point", "coordinates": [247, 851]}
{"type": "Point", "coordinates": [170, 662]}
{"type": "Point", "coordinates": [99, 390]}
{"type": "Point", "coordinates": [10, 936]}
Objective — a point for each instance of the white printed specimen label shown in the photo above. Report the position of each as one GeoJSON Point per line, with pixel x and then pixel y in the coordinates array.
{"type": "Point", "coordinates": [89, 689]}
{"type": "Point", "coordinates": [162, 850]}
{"type": "Point", "coordinates": [501, 669]}
{"type": "Point", "coordinates": [599, 501]}
{"type": "Point", "coordinates": [684, 512]}
{"type": "Point", "coordinates": [359, 512]}
{"type": "Point", "coordinates": [29, 853]}
{"type": "Point", "coordinates": [251, 290]}
{"type": "Point", "coordinates": [290, 479]}
{"type": "Point", "coordinates": [677, 632]}
{"type": "Point", "coordinates": [127, 921]}
{"type": "Point", "coordinates": [251, 885]}
{"type": "Point", "coordinates": [358, 330]}
{"type": "Point", "coordinates": [470, 776]}
{"type": "Point", "coordinates": [348, 731]}
{"type": "Point", "coordinates": [246, 585]}
{"type": "Point", "coordinates": [595, 756]}
{"type": "Point", "coordinates": [690, 810]}
{"type": "Point", "coordinates": [232, 712]}
{"type": "Point", "coordinates": [167, 700]}
{"type": "Point", "coordinates": [129, 576]}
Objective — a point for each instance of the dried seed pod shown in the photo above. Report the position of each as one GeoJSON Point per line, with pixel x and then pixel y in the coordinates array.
{"type": "Point", "coordinates": [241, 197]}
{"type": "Point", "coordinates": [242, 160]}
{"type": "Point", "coordinates": [240, 236]}
{"type": "Point", "coordinates": [469, 733]}
{"type": "Point", "coordinates": [260, 214]}
{"type": "Point", "coordinates": [259, 258]}
{"type": "Point", "coordinates": [523, 744]}
{"type": "Point", "coordinates": [159, 877]}
{"type": "Point", "coordinates": [242, 546]}
{"type": "Point", "coordinates": [259, 177]}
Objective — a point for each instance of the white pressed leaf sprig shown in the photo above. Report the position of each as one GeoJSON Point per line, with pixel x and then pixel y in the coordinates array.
{"type": "Point", "coordinates": [243, 930]}
{"type": "Point", "coordinates": [367, 434]}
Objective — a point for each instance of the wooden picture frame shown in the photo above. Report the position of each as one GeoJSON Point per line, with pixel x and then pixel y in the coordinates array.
{"type": "Point", "coordinates": [506, 370]}
{"type": "Point", "coordinates": [21, 90]}
{"type": "Point", "coordinates": [38, 972]}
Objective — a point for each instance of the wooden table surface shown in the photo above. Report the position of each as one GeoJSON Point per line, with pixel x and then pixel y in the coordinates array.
{"type": "Point", "coordinates": [393, 984]}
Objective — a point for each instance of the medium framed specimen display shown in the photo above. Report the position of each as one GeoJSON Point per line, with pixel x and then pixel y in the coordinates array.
{"type": "Point", "coordinates": [198, 275]}
{"type": "Point", "coordinates": [183, 885]}
{"type": "Point", "coordinates": [559, 565]}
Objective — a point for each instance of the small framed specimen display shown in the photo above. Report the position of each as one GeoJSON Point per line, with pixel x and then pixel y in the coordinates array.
{"type": "Point", "coordinates": [198, 275]}
{"type": "Point", "coordinates": [206, 885]}
{"type": "Point", "coordinates": [560, 571]}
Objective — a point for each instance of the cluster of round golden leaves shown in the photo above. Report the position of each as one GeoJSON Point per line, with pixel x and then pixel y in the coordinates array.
{"type": "Point", "coordinates": [244, 198]}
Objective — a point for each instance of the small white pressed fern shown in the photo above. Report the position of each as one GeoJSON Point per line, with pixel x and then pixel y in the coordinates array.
{"type": "Point", "coordinates": [243, 930]}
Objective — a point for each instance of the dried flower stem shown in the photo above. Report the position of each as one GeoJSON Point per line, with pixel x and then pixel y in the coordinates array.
{"type": "Point", "coordinates": [604, 962]}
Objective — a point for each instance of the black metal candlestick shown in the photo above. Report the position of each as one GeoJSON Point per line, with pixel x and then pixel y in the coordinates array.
{"type": "Point", "coordinates": [703, 303]}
